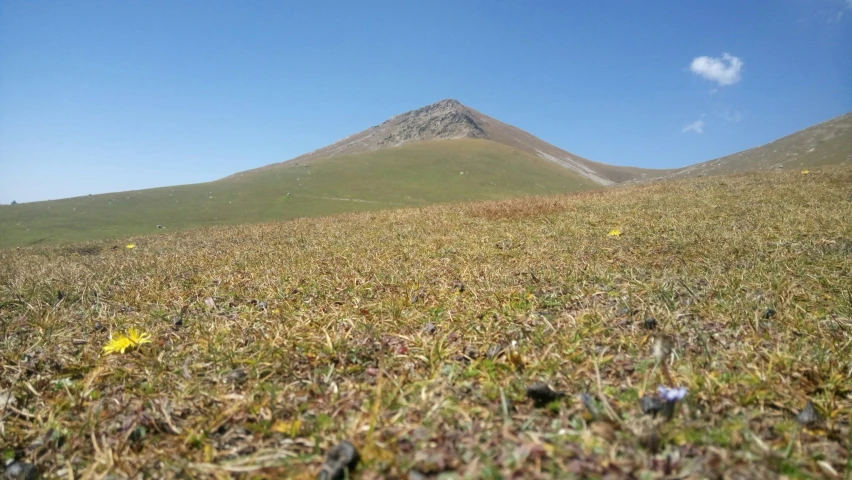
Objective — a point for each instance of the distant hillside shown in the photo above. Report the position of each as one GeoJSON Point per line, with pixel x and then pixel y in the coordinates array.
{"type": "Point", "coordinates": [413, 174]}
{"type": "Point", "coordinates": [449, 119]}
{"type": "Point", "coordinates": [827, 143]}
{"type": "Point", "coordinates": [444, 152]}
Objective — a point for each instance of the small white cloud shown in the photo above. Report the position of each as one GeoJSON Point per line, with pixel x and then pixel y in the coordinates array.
{"type": "Point", "coordinates": [696, 126]}
{"type": "Point", "coordinates": [724, 71]}
{"type": "Point", "coordinates": [729, 115]}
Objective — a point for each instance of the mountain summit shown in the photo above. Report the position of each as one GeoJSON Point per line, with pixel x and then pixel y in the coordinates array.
{"type": "Point", "coordinates": [443, 120]}
{"type": "Point", "coordinates": [449, 119]}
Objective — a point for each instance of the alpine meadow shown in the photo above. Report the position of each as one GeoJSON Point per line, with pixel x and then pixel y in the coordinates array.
{"type": "Point", "coordinates": [581, 240]}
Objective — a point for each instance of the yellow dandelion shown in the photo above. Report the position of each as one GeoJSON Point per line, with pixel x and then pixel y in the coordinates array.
{"type": "Point", "coordinates": [121, 343]}
{"type": "Point", "coordinates": [130, 245]}
{"type": "Point", "coordinates": [615, 232]}
{"type": "Point", "coordinates": [117, 345]}
{"type": "Point", "coordinates": [805, 171]}
{"type": "Point", "coordinates": [138, 338]}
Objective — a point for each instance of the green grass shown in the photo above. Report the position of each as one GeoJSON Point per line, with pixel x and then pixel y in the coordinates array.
{"type": "Point", "coordinates": [826, 144]}
{"type": "Point", "coordinates": [412, 175]}
{"type": "Point", "coordinates": [341, 350]}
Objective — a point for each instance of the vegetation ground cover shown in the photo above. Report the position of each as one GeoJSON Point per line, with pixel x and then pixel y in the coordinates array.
{"type": "Point", "coordinates": [415, 334]}
{"type": "Point", "coordinates": [411, 175]}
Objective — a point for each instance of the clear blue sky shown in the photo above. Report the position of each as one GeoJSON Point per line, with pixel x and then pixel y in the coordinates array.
{"type": "Point", "coordinates": [100, 96]}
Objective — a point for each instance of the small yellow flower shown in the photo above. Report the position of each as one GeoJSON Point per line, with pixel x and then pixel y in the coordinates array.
{"type": "Point", "coordinates": [122, 342]}
{"type": "Point", "coordinates": [805, 171]}
{"type": "Point", "coordinates": [138, 338]}
{"type": "Point", "coordinates": [290, 429]}
{"type": "Point", "coordinates": [615, 232]}
{"type": "Point", "coordinates": [117, 345]}
{"type": "Point", "coordinates": [130, 245]}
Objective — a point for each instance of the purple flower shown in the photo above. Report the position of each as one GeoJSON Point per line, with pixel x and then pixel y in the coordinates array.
{"type": "Point", "coordinates": [671, 394]}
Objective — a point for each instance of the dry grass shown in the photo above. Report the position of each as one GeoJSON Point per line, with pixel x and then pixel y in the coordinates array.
{"type": "Point", "coordinates": [382, 328]}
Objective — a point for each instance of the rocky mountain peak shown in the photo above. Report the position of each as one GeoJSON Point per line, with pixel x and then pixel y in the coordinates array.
{"type": "Point", "coordinates": [442, 120]}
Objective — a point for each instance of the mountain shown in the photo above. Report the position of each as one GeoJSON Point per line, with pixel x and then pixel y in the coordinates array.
{"type": "Point", "coordinates": [444, 152]}
{"type": "Point", "coordinates": [449, 119]}
{"type": "Point", "coordinates": [827, 143]}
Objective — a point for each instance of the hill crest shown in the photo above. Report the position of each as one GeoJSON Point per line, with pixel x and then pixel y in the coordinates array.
{"type": "Point", "coordinates": [450, 119]}
{"type": "Point", "coordinates": [826, 143]}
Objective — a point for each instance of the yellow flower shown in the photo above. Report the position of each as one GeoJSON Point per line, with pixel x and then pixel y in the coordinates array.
{"type": "Point", "coordinates": [805, 171]}
{"type": "Point", "coordinates": [130, 245]}
{"type": "Point", "coordinates": [118, 344]}
{"type": "Point", "coordinates": [138, 338]}
{"type": "Point", "coordinates": [615, 232]}
{"type": "Point", "coordinates": [122, 342]}
{"type": "Point", "coordinates": [290, 429]}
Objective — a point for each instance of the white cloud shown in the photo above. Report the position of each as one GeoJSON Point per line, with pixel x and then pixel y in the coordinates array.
{"type": "Point", "coordinates": [724, 71]}
{"type": "Point", "coordinates": [729, 115]}
{"type": "Point", "coordinates": [696, 126]}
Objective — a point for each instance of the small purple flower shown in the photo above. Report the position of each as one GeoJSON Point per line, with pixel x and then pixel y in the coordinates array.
{"type": "Point", "coordinates": [671, 394]}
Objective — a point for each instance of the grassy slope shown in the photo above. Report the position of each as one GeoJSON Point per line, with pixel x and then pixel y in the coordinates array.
{"type": "Point", "coordinates": [344, 349]}
{"type": "Point", "coordinates": [824, 144]}
{"type": "Point", "coordinates": [416, 174]}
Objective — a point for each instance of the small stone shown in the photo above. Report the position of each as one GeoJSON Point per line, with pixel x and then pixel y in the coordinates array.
{"type": "Point", "coordinates": [261, 305]}
{"type": "Point", "coordinates": [808, 415]}
{"type": "Point", "coordinates": [589, 403]}
{"type": "Point", "coordinates": [98, 327]}
{"type": "Point", "coordinates": [541, 394]}
{"type": "Point", "coordinates": [650, 323]}
{"type": "Point", "coordinates": [430, 328]}
{"type": "Point", "coordinates": [623, 312]}
{"type": "Point", "coordinates": [210, 303]}
{"type": "Point", "coordinates": [418, 295]}
{"type": "Point", "coordinates": [651, 405]}
{"type": "Point", "coordinates": [342, 458]}
{"type": "Point", "coordinates": [236, 376]}
{"type": "Point", "coordinates": [504, 244]}
{"type": "Point", "coordinates": [768, 313]}
{"type": "Point", "coordinates": [20, 471]}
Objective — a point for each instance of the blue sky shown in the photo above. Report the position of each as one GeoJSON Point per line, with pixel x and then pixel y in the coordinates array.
{"type": "Point", "coordinates": [107, 96]}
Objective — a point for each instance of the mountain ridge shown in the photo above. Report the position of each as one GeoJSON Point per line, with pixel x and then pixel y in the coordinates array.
{"type": "Point", "coordinates": [450, 119]}
{"type": "Point", "coordinates": [443, 152]}
{"type": "Point", "coordinates": [826, 143]}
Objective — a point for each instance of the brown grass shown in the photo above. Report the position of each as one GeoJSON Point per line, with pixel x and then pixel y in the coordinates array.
{"type": "Point", "coordinates": [383, 328]}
